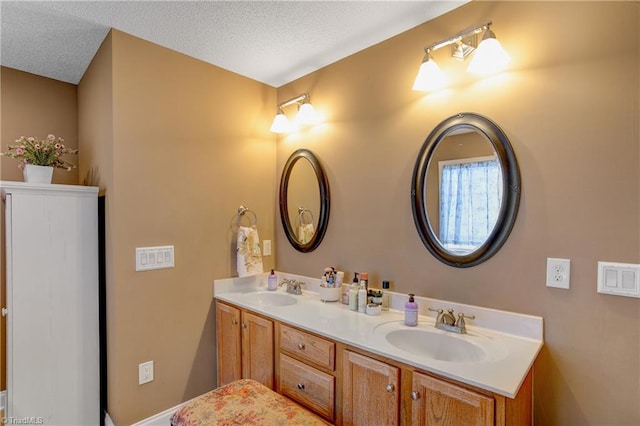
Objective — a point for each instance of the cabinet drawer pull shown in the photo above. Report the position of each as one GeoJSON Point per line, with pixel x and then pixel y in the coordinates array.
{"type": "Point", "coordinates": [234, 321]}
{"type": "Point", "coordinates": [301, 346]}
{"type": "Point", "coordinates": [390, 388]}
{"type": "Point", "coordinates": [301, 386]}
{"type": "Point", "coordinates": [415, 395]}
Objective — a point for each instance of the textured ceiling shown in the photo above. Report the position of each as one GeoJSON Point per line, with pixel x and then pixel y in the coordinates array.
{"type": "Point", "coordinates": [274, 42]}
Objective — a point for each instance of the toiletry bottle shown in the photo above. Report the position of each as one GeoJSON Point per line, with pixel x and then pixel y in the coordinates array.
{"type": "Point", "coordinates": [411, 312]}
{"type": "Point", "coordinates": [364, 277]}
{"type": "Point", "coordinates": [353, 294]}
{"type": "Point", "coordinates": [272, 283]}
{"type": "Point", "coordinates": [385, 295]}
{"type": "Point", "coordinates": [362, 297]}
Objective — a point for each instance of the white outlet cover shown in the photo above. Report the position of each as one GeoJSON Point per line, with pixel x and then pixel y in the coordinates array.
{"type": "Point", "coordinates": [145, 372]}
{"type": "Point", "coordinates": [558, 273]}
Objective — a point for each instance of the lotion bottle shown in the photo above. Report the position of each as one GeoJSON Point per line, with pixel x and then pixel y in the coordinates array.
{"type": "Point", "coordinates": [353, 294]}
{"type": "Point", "coordinates": [411, 312]}
{"type": "Point", "coordinates": [272, 283]}
{"type": "Point", "coordinates": [362, 297]}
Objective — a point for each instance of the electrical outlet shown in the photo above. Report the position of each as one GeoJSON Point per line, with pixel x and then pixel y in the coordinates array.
{"type": "Point", "coordinates": [145, 372]}
{"type": "Point", "coordinates": [558, 273]}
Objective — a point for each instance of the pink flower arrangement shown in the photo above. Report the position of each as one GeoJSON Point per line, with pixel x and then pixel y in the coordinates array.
{"type": "Point", "coordinates": [46, 152]}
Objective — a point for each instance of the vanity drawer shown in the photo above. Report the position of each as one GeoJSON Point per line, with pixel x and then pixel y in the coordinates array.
{"type": "Point", "coordinates": [308, 347]}
{"type": "Point", "coordinates": [307, 385]}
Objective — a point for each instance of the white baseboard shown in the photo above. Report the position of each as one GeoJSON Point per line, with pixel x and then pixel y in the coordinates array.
{"type": "Point", "coordinates": [3, 400]}
{"type": "Point", "coordinates": [107, 420]}
{"type": "Point", "coordinates": [160, 418]}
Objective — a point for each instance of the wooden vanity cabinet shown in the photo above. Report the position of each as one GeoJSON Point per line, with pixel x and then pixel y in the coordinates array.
{"type": "Point", "coordinates": [306, 370]}
{"type": "Point", "coordinates": [370, 392]}
{"type": "Point", "coordinates": [434, 400]}
{"type": "Point", "coordinates": [244, 345]}
{"type": "Point", "coordinates": [351, 386]}
{"type": "Point", "coordinates": [376, 390]}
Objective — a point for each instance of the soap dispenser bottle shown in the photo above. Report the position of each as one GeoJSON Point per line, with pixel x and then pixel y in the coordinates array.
{"type": "Point", "coordinates": [411, 312]}
{"type": "Point", "coordinates": [272, 283]}
{"type": "Point", "coordinates": [353, 294]}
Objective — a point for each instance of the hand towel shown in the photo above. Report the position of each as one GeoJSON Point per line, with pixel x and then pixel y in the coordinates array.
{"type": "Point", "coordinates": [249, 258]}
{"type": "Point", "coordinates": [305, 233]}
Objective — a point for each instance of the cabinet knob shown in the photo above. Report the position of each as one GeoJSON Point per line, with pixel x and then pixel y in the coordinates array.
{"type": "Point", "coordinates": [415, 395]}
{"type": "Point", "coordinates": [301, 386]}
{"type": "Point", "coordinates": [301, 346]}
{"type": "Point", "coordinates": [234, 321]}
{"type": "Point", "coordinates": [390, 388]}
{"type": "Point", "coordinates": [244, 325]}
{"type": "Point", "coordinates": [4, 312]}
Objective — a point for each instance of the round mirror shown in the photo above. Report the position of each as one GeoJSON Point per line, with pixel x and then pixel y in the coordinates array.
{"type": "Point", "coordinates": [465, 190]}
{"type": "Point", "coordinates": [304, 201]}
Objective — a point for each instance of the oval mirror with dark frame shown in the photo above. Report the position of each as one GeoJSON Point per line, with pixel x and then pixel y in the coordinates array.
{"type": "Point", "coordinates": [465, 190]}
{"type": "Point", "coordinates": [304, 201]}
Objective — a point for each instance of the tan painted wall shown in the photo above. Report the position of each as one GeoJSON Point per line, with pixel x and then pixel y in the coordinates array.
{"type": "Point", "coordinates": [37, 106]}
{"type": "Point", "coordinates": [570, 106]}
{"type": "Point", "coordinates": [32, 106]}
{"type": "Point", "coordinates": [189, 144]}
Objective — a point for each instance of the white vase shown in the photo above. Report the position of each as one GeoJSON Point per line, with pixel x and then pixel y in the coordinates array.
{"type": "Point", "coordinates": [37, 174]}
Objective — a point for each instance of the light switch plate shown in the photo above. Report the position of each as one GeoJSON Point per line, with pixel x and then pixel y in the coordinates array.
{"type": "Point", "coordinates": [148, 258]}
{"type": "Point", "coordinates": [266, 247]}
{"type": "Point", "coordinates": [619, 279]}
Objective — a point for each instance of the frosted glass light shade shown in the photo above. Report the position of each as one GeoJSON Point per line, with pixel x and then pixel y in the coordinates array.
{"type": "Point", "coordinates": [280, 124]}
{"type": "Point", "coordinates": [306, 115]}
{"type": "Point", "coordinates": [490, 58]}
{"type": "Point", "coordinates": [429, 77]}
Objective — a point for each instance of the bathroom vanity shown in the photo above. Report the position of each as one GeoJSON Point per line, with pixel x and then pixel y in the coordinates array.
{"type": "Point", "coordinates": [351, 368]}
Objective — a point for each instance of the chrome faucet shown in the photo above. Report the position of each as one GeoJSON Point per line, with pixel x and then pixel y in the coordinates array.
{"type": "Point", "coordinates": [447, 321]}
{"type": "Point", "coordinates": [293, 286]}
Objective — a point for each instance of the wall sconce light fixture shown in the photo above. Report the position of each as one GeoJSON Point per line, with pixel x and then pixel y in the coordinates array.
{"type": "Point", "coordinates": [306, 114]}
{"type": "Point", "coordinates": [489, 56]}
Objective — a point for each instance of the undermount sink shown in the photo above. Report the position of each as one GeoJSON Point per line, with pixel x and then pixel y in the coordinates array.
{"type": "Point", "coordinates": [441, 347]}
{"type": "Point", "coordinates": [267, 298]}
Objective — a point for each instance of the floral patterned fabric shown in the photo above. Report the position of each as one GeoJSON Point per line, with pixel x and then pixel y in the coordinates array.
{"type": "Point", "coordinates": [243, 402]}
{"type": "Point", "coordinates": [249, 258]}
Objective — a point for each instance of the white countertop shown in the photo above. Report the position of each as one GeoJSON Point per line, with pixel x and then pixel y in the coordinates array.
{"type": "Point", "coordinates": [514, 340]}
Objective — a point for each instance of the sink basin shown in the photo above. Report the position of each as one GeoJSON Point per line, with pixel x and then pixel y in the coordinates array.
{"type": "Point", "coordinates": [438, 346]}
{"type": "Point", "coordinates": [268, 298]}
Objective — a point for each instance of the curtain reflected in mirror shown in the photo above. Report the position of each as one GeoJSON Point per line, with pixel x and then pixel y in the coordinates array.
{"type": "Point", "coordinates": [465, 190]}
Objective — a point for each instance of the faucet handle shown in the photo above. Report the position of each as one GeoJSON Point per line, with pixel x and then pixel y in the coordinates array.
{"type": "Point", "coordinates": [440, 317]}
{"type": "Point", "coordinates": [460, 323]}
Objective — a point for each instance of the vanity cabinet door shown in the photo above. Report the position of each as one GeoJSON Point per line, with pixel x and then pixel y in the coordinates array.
{"type": "Point", "coordinates": [228, 343]}
{"type": "Point", "coordinates": [244, 344]}
{"type": "Point", "coordinates": [257, 349]}
{"type": "Point", "coordinates": [370, 391]}
{"type": "Point", "coordinates": [437, 402]}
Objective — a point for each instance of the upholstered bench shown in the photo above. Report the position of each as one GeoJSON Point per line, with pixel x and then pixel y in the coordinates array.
{"type": "Point", "coordinates": [243, 402]}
